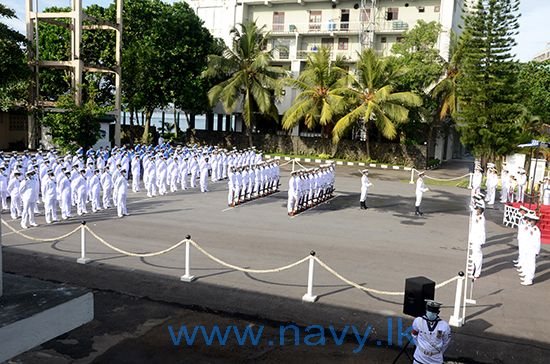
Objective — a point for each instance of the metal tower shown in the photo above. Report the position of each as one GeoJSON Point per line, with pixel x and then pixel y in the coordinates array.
{"type": "Point", "coordinates": [367, 18]}
{"type": "Point", "coordinates": [75, 63]}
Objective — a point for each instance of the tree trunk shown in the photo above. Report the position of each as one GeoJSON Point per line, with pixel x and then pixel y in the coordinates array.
{"type": "Point", "coordinates": [367, 143]}
{"type": "Point", "coordinates": [162, 124]}
{"type": "Point", "coordinates": [176, 122]}
{"type": "Point", "coordinates": [145, 136]}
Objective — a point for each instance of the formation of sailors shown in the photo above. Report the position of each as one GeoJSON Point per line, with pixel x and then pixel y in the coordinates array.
{"type": "Point", "coordinates": [101, 177]}
{"type": "Point", "coordinates": [309, 187]}
{"type": "Point", "coordinates": [248, 182]}
{"type": "Point", "coordinates": [513, 186]}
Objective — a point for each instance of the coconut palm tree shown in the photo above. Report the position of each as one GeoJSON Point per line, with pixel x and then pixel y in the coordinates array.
{"type": "Point", "coordinates": [372, 98]}
{"type": "Point", "coordinates": [445, 92]}
{"type": "Point", "coordinates": [249, 81]}
{"type": "Point", "coordinates": [317, 103]}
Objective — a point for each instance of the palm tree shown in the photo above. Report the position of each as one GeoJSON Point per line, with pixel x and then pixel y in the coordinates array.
{"type": "Point", "coordinates": [445, 92]}
{"type": "Point", "coordinates": [249, 80]}
{"type": "Point", "coordinates": [372, 98]}
{"type": "Point", "coordinates": [317, 103]}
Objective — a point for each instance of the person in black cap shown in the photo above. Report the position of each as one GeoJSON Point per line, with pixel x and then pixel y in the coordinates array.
{"type": "Point", "coordinates": [432, 335]}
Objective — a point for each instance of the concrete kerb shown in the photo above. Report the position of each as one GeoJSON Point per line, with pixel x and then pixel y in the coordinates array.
{"type": "Point", "coordinates": [341, 163]}
{"type": "Point", "coordinates": [471, 344]}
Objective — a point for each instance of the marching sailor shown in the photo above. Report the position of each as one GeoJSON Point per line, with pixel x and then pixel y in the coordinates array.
{"type": "Point", "coordinates": [420, 189]}
{"type": "Point", "coordinates": [365, 184]}
{"type": "Point", "coordinates": [530, 251]}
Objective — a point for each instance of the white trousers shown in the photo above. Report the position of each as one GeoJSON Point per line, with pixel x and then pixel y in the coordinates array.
{"type": "Point", "coordinates": [50, 210]}
{"type": "Point", "coordinates": [418, 199]}
{"type": "Point", "coordinates": [121, 205]}
{"type": "Point", "coordinates": [363, 194]}
{"type": "Point", "coordinates": [27, 217]}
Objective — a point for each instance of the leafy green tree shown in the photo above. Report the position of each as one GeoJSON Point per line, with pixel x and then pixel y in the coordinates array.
{"type": "Point", "coordinates": [14, 72]}
{"type": "Point", "coordinates": [419, 56]}
{"type": "Point", "coordinates": [534, 84]}
{"type": "Point", "coordinates": [372, 97]}
{"type": "Point", "coordinates": [489, 108]}
{"type": "Point", "coordinates": [250, 82]}
{"type": "Point", "coordinates": [78, 125]}
{"type": "Point", "coordinates": [318, 102]}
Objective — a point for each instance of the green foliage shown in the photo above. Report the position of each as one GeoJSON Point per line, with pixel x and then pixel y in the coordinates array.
{"type": "Point", "coordinates": [489, 111]}
{"type": "Point", "coordinates": [14, 72]}
{"type": "Point", "coordinates": [249, 81]}
{"type": "Point", "coordinates": [534, 83]}
{"type": "Point", "coordinates": [77, 126]}
{"type": "Point", "coordinates": [318, 103]}
{"type": "Point", "coordinates": [373, 99]}
{"type": "Point", "coordinates": [419, 57]}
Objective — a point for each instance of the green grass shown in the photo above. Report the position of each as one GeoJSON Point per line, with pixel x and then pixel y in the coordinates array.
{"type": "Point", "coordinates": [327, 157]}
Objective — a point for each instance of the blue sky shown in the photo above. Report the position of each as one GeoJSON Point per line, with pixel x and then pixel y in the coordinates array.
{"type": "Point", "coordinates": [532, 37]}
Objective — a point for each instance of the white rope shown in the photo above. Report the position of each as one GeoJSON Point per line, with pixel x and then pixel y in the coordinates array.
{"type": "Point", "coordinates": [372, 290]}
{"type": "Point", "coordinates": [443, 179]}
{"type": "Point", "coordinates": [40, 239]}
{"type": "Point", "coordinates": [141, 255]}
{"type": "Point", "coordinates": [246, 270]}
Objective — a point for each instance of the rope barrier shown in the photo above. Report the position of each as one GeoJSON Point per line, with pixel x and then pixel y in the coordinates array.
{"type": "Point", "coordinates": [40, 239]}
{"type": "Point", "coordinates": [246, 270]}
{"type": "Point", "coordinates": [140, 255]}
{"type": "Point", "coordinates": [372, 290]}
{"type": "Point", "coordinates": [225, 264]}
{"type": "Point", "coordinates": [443, 179]}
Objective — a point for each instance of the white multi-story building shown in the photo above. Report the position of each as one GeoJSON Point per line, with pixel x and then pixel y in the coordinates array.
{"type": "Point", "coordinates": [544, 55]}
{"type": "Point", "coordinates": [346, 26]}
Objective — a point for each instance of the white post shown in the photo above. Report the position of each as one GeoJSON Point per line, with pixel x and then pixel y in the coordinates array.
{"type": "Point", "coordinates": [187, 277]}
{"type": "Point", "coordinates": [412, 177]}
{"type": "Point", "coordinates": [455, 319]}
{"type": "Point", "coordinates": [470, 183]}
{"type": "Point", "coordinates": [83, 259]}
{"type": "Point", "coordinates": [309, 297]}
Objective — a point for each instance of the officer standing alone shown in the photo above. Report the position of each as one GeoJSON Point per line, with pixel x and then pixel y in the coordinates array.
{"type": "Point", "coordinates": [432, 335]}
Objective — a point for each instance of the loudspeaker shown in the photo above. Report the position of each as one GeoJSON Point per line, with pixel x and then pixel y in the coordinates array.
{"type": "Point", "coordinates": [417, 289]}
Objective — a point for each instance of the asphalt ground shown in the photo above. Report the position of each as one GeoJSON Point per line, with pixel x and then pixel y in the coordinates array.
{"type": "Point", "coordinates": [378, 248]}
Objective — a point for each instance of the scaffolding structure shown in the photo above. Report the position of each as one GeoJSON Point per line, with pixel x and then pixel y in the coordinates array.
{"type": "Point", "coordinates": [367, 18]}
{"type": "Point", "coordinates": [75, 64]}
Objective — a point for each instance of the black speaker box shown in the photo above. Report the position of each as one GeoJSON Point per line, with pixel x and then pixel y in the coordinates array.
{"type": "Point", "coordinates": [417, 290]}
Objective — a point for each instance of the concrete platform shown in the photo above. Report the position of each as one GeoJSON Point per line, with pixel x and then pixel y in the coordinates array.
{"type": "Point", "coordinates": [33, 312]}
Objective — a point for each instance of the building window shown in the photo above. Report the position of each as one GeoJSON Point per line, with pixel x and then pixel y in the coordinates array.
{"type": "Point", "coordinates": [437, 8]}
{"type": "Point", "coordinates": [327, 43]}
{"type": "Point", "coordinates": [342, 44]}
{"type": "Point", "coordinates": [421, 9]}
{"type": "Point", "coordinates": [392, 14]}
{"type": "Point", "coordinates": [383, 40]}
{"type": "Point", "coordinates": [344, 19]}
{"type": "Point", "coordinates": [18, 123]}
{"type": "Point", "coordinates": [278, 21]}
{"type": "Point", "coordinates": [399, 39]}
{"type": "Point", "coordinates": [315, 20]}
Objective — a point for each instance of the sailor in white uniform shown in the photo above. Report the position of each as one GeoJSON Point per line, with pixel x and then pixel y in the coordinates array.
{"type": "Point", "coordinates": [365, 184]}
{"type": "Point", "coordinates": [432, 335]}
{"type": "Point", "coordinates": [420, 189]}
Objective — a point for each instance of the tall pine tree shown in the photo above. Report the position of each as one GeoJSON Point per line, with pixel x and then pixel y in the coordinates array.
{"type": "Point", "coordinates": [489, 109]}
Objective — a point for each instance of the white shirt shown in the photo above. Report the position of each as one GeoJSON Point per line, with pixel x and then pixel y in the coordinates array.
{"type": "Point", "coordinates": [430, 344]}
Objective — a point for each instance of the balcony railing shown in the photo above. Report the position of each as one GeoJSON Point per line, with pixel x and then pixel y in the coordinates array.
{"type": "Point", "coordinates": [314, 27]}
{"type": "Point", "coordinates": [337, 27]}
{"type": "Point", "coordinates": [348, 55]}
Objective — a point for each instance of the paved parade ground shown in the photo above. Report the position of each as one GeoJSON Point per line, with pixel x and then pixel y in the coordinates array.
{"type": "Point", "coordinates": [377, 248]}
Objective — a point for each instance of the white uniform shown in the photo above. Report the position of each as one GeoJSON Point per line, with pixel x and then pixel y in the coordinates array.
{"type": "Point", "coordinates": [65, 195]}
{"type": "Point", "coordinates": [107, 188]}
{"type": "Point", "coordinates": [136, 174]}
{"type": "Point", "coordinates": [3, 190]}
{"type": "Point", "coordinates": [522, 182]}
{"type": "Point", "coordinates": [94, 185]}
{"type": "Point", "coordinates": [530, 252]}
{"type": "Point", "coordinates": [121, 186]}
{"type": "Point", "coordinates": [505, 182]}
{"type": "Point", "coordinates": [476, 182]}
{"type": "Point", "coordinates": [50, 199]}
{"type": "Point", "coordinates": [492, 182]}
{"type": "Point", "coordinates": [420, 189]}
{"type": "Point", "coordinates": [28, 191]}
{"type": "Point", "coordinates": [432, 339]}
{"type": "Point", "coordinates": [78, 186]}
{"type": "Point", "coordinates": [477, 239]}
{"type": "Point", "coordinates": [365, 184]}
{"type": "Point", "coordinates": [204, 167]}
